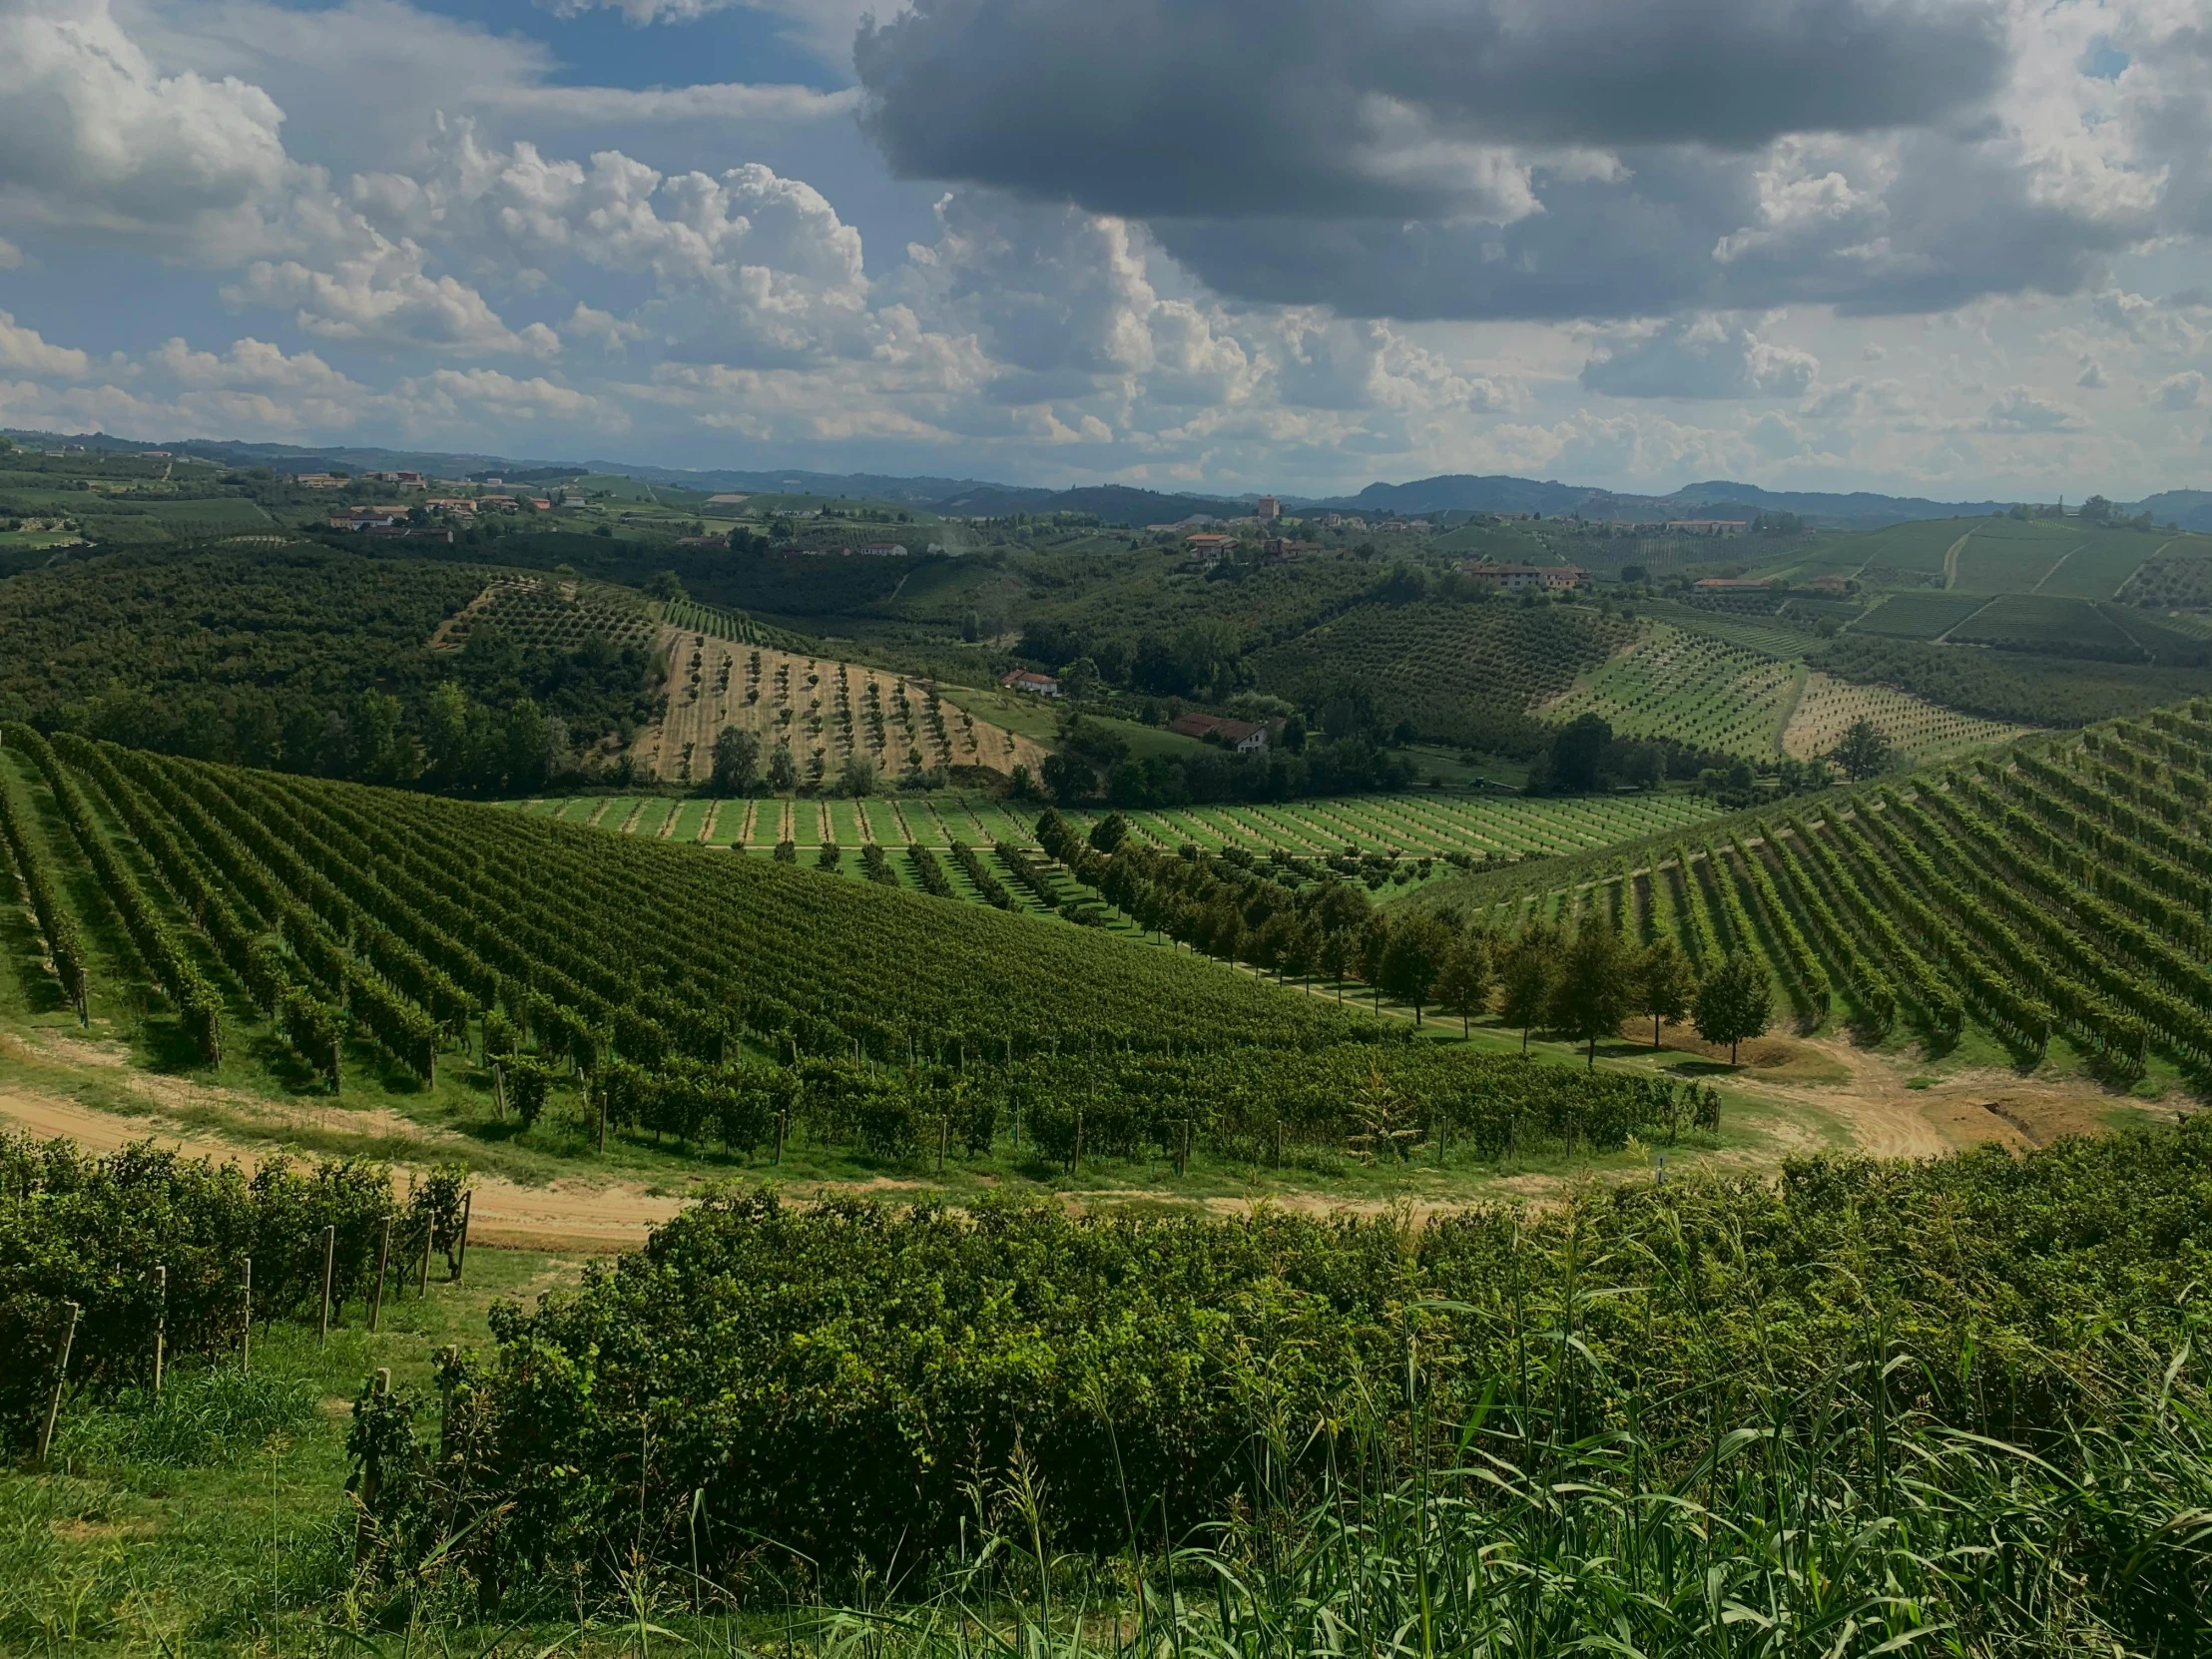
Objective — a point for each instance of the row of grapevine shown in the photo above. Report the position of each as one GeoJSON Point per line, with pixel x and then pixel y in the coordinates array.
{"type": "Point", "coordinates": [144, 1241]}
{"type": "Point", "coordinates": [2055, 890]}
{"type": "Point", "coordinates": [1809, 986]}
{"type": "Point", "coordinates": [1123, 1356]}
{"type": "Point", "coordinates": [1867, 986]}
{"type": "Point", "coordinates": [988, 888]}
{"type": "Point", "coordinates": [199, 1006]}
{"type": "Point", "coordinates": [65, 945]}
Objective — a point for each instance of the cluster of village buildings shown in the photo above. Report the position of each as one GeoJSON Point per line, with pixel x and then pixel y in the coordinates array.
{"type": "Point", "coordinates": [406, 518]}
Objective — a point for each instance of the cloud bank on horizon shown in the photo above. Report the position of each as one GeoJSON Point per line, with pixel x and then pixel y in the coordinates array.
{"type": "Point", "coordinates": [1939, 247]}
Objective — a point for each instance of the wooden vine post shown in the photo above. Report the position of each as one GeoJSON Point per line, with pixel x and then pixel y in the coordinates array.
{"type": "Point", "coordinates": [429, 1234]}
{"type": "Point", "coordinates": [61, 1376]}
{"type": "Point", "coordinates": [383, 1259]}
{"type": "Point", "coordinates": [372, 1476]}
{"type": "Point", "coordinates": [330, 1259]}
{"type": "Point", "coordinates": [460, 1261]}
{"type": "Point", "coordinates": [161, 1325]}
{"type": "Point", "coordinates": [245, 1317]}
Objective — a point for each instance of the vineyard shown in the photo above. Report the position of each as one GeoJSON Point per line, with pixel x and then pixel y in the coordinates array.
{"type": "Point", "coordinates": [827, 714]}
{"type": "Point", "coordinates": [354, 931]}
{"type": "Point", "coordinates": [2055, 892]}
{"type": "Point", "coordinates": [1389, 837]}
{"type": "Point", "coordinates": [1463, 674]}
{"type": "Point", "coordinates": [1920, 614]}
{"type": "Point", "coordinates": [1972, 1430]}
{"type": "Point", "coordinates": [1672, 682]}
{"type": "Point", "coordinates": [1916, 729]}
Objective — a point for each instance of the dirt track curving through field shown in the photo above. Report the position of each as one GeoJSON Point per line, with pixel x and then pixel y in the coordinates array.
{"type": "Point", "coordinates": [567, 1215]}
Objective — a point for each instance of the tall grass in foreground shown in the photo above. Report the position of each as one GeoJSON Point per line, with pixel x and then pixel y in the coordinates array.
{"type": "Point", "coordinates": [1838, 1520]}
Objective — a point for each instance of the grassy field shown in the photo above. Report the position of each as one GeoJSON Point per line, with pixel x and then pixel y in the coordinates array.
{"type": "Point", "coordinates": [1674, 682]}
{"type": "Point", "coordinates": [2007, 555]}
{"type": "Point", "coordinates": [2035, 618]}
{"type": "Point", "coordinates": [1920, 614]}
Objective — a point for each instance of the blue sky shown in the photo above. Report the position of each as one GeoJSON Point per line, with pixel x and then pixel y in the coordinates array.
{"type": "Point", "coordinates": [1945, 246]}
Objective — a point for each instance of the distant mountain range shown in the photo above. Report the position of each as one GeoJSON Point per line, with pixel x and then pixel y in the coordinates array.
{"type": "Point", "coordinates": [1121, 505]}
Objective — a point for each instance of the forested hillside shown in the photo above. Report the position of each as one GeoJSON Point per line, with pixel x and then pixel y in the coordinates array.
{"type": "Point", "coordinates": [314, 661]}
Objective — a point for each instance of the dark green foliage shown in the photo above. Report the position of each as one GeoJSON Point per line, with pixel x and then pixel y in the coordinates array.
{"type": "Point", "coordinates": [1462, 672]}
{"type": "Point", "coordinates": [2005, 685]}
{"type": "Point", "coordinates": [832, 1379]}
{"type": "Point", "coordinates": [75, 1227]}
{"type": "Point", "coordinates": [929, 871]}
{"type": "Point", "coordinates": [988, 888]}
{"type": "Point", "coordinates": [1734, 1002]}
{"type": "Point", "coordinates": [309, 659]}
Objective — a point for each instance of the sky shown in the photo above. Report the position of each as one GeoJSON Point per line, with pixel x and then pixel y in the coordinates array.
{"type": "Point", "coordinates": [1949, 247]}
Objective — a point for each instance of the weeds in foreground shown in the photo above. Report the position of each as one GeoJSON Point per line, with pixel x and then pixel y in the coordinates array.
{"type": "Point", "coordinates": [1835, 1522]}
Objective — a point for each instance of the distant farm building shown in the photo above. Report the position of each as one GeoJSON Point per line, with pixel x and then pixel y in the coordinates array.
{"type": "Point", "coordinates": [1243, 736]}
{"type": "Point", "coordinates": [1040, 685]}
{"type": "Point", "coordinates": [1708, 526]}
{"type": "Point", "coordinates": [1514, 578]}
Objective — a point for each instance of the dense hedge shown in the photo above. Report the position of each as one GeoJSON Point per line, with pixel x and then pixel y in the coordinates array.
{"type": "Point", "coordinates": [831, 1381]}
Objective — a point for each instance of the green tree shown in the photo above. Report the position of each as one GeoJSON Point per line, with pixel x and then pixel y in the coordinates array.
{"type": "Point", "coordinates": [1079, 680]}
{"type": "Point", "coordinates": [383, 752]}
{"type": "Point", "coordinates": [445, 733]}
{"type": "Point", "coordinates": [1863, 752]}
{"type": "Point", "coordinates": [1464, 988]}
{"type": "Point", "coordinates": [1335, 956]}
{"type": "Point", "coordinates": [783, 770]}
{"type": "Point", "coordinates": [1368, 948]}
{"type": "Point", "coordinates": [737, 758]}
{"type": "Point", "coordinates": [1415, 955]}
{"type": "Point", "coordinates": [526, 745]}
{"type": "Point", "coordinates": [1594, 988]}
{"type": "Point", "coordinates": [1110, 831]}
{"type": "Point", "coordinates": [1735, 1001]}
{"type": "Point", "coordinates": [857, 776]}
{"type": "Point", "coordinates": [1525, 980]}
{"type": "Point", "coordinates": [1665, 984]}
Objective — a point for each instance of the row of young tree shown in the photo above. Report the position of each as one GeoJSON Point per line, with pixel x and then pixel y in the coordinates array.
{"type": "Point", "coordinates": [1583, 985]}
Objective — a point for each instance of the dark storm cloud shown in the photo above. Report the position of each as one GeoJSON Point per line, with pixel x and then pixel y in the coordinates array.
{"type": "Point", "coordinates": [1461, 159]}
{"type": "Point", "coordinates": [1236, 108]}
